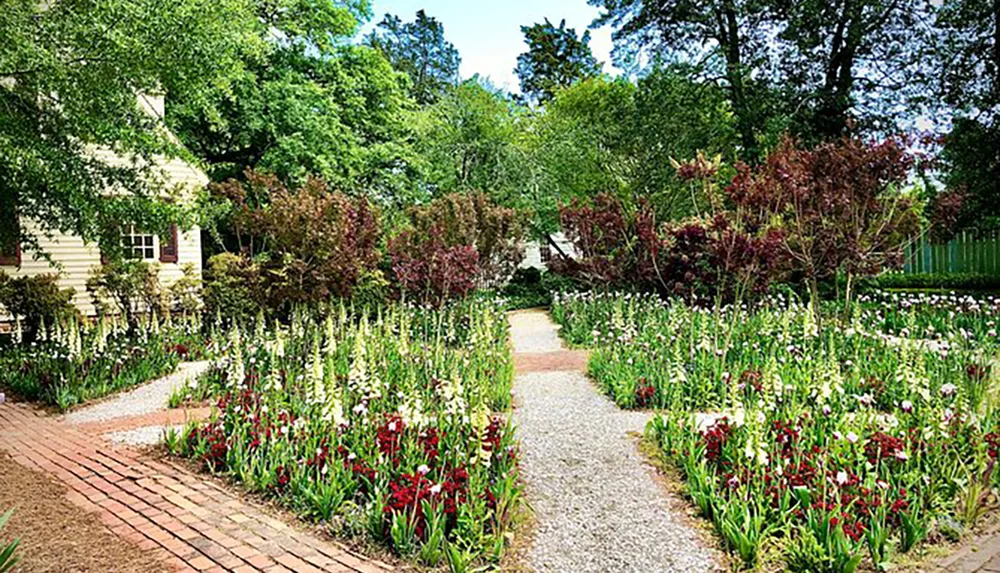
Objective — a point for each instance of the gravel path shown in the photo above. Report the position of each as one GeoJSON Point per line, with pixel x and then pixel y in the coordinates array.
{"type": "Point", "coordinates": [144, 436]}
{"type": "Point", "coordinates": [145, 399]}
{"type": "Point", "coordinates": [597, 504]}
{"type": "Point", "coordinates": [533, 331]}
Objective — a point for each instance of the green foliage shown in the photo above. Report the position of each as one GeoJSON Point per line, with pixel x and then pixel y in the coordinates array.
{"type": "Point", "coordinates": [233, 287]}
{"type": "Point", "coordinates": [419, 50]}
{"type": "Point", "coordinates": [130, 287]}
{"type": "Point", "coordinates": [941, 281]}
{"type": "Point", "coordinates": [7, 558]}
{"type": "Point", "coordinates": [555, 59]}
{"type": "Point", "coordinates": [469, 140]}
{"type": "Point", "coordinates": [72, 73]}
{"type": "Point", "coordinates": [534, 288]}
{"type": "Point", "coordinates": [35, 300]}
{"type": "Point", "coordinates": [617, 137]}
{"type": "Point", "coordinates": [310, 104]}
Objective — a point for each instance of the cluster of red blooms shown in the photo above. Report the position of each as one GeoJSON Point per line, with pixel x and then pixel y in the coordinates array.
{"type": "Point", "coordinates": [281, 479]}
{"type": "Point", "coordinates": [430, 439]}
{"type": "Point", "coordinates": [786, 436]}
{"type": "Point", "coordinates": [179, 349]}
{"type": "Point", "coordinates": [976, 373]}
{"type": "Point", "coordinates": [993, 443]}
{"type": "Point", "coordinates": [851, 505]}
{"type": "Point", "coordinates": [715, 439]}
{"type": "Point", "coordinates": [408, 491]}
{"type": "Point", "coordinates": [218, 447]}
{"type": "Point", "coordinates": [644, 393]}
{"type": "Point", "coordinates": [390, 437]}
{"type": "Point", "coordinates": [883, 447]}
{"type": "Point", "coordinates": [358, 467]}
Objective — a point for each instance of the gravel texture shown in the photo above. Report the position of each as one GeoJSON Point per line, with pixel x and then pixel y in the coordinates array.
{"type": "Point", "coordinates": [145, 399]}
{"type": "Point", "coordinates": [144, 436]}
{"type": "Point", "coordinates": [597, 503]}
{"type": "Point", "coordinates": [533, 331]}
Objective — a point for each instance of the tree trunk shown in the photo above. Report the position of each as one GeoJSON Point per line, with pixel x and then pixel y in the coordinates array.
{"type": "Point", "coordinates": [814, 298]}
{"type": "Point", "coordinates": [731, 42]}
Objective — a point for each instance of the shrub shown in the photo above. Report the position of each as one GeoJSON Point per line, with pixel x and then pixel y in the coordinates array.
{"type": "Point", "coordinates": [320, 243]}
{"type": "Point", "coordinates": [233, 287]}
{"type": "Point", "coordinates": [700, 258]}
{"type": "Point", "coordinates": [306, 244]}
{"type": "Point", "coordinates": [430, 270]}
{"type": "Point", "coordinates": [35, 300]}
{"type": "Point", "coordinates": [533, 288]}
{"type": "Point", "coordinates": [130, 287]}
{"type": "Point", "coordinates": [943, 281]}
{"type": "Point", "coordinates": [185, 292]}
{"type": "Point", "coordinates": [455, 244]}
{"type": "Point", "coordinates": [839, 205]}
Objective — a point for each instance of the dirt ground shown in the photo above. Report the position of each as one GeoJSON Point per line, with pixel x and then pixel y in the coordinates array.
{"type": "Point", "coordinates": [56, 535]}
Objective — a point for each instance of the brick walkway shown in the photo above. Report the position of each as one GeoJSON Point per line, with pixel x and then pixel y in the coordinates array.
{"type": "Point", "coordinates": [981, 555]}
{"type": "Point", "coordinates": [186, 521]}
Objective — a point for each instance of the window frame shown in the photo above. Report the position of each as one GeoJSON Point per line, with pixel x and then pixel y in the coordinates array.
{"type": "Point", "coordinates": [129, 234]}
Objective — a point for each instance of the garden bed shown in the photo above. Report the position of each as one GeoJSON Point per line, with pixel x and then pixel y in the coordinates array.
{"type": "Point", "coordinates": [389, 428]}
{"type": "Point", "coordinates": [812, 445]}
{"type": "Point", "coordinates": [73, 363]}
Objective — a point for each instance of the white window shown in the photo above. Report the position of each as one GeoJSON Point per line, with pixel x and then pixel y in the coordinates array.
{"type": "Point", "coordinates": [139, 245]}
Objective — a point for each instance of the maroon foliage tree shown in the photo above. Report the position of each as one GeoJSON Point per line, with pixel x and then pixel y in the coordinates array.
{"type": "Point", "coordinates": [840, 206]}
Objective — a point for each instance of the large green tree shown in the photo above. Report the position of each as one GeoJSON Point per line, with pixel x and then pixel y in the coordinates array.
{"type": "Point", "coordinates": [615, 136]}
{"type": "Point", "coordinates": [815, 65]}
{"type": "Point", "coordinates": [966, 76]}
{"type": "Point", "coordinates": [309, 104]}
{"type": "Point", "coordinates": [726, 39]}
{"type": "Point", "coordinates": [70, 73]}
{"type": "Point", "coordinates": [847, 60]}
{"type": "Point", "coordinates": [420, 50]}
{"type": "Point", "coordinates": [556, 58]}
{"type": "Point", "coordinates": [469, 140]}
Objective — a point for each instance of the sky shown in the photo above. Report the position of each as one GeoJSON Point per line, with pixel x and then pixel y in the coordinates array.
{"type": "Point", "coordinates": [488, 35]}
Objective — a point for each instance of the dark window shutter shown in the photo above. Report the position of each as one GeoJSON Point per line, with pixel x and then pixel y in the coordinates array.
{"type": "Point", "coordinates": [168, 246]}
{"type": "Point", "coordinates": [10, 254]}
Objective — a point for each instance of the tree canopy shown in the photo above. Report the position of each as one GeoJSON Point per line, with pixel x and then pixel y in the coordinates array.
{"type": "Point", "coordinates": [308, 104]}
{"type": "Point", "coordinates": [556, 58]}
{"type": "Point", "coordinates": [420, 50]}
{"type": "Point", "coordinates": [70, 73]}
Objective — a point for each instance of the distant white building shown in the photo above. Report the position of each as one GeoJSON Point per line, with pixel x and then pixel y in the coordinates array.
{"type": "Point", "coordinates": [537, 254]}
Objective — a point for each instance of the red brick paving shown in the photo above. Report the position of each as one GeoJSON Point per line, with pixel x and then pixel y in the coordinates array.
{"type": "Point", "coordinates": [981, 555]}
{"type": "Point", "coordinates": [187, 522]}
{"type": "Point", "coordinates": [575, 360]}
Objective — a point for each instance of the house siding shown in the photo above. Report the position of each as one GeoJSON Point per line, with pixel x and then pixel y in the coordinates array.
{"type": "Point", "coordinates": [73, 260]}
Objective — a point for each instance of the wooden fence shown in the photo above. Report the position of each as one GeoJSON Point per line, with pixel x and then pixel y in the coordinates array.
{"type": "Point", "coordinates": [966, 253]}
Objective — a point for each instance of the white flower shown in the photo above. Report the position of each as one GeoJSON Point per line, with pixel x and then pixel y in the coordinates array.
{"type": "Point", "coordinates": [902, 455]}
{"type": "Point", "coordinates": [841, 477]}
{"type": "Point", "coordinates": [827, 410]}
{"type": "Point", "coordinates": [436, 489]}
{"type": "Point", "coordinates": [907, 406]}
{"type": "Point", "coordinates": [852, 437]}
{"type": "Point", "coordinates": [948, 389]}
{"type": "Point", "coordinates": [423, 470]}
